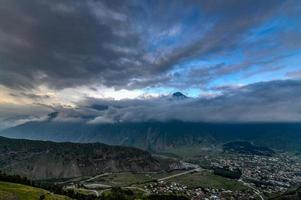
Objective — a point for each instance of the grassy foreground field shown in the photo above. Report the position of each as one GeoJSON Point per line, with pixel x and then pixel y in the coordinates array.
{"type": "Point", "coordinates": [12, 191]}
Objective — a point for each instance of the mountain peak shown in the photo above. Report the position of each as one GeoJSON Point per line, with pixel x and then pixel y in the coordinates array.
{"type": "Point", "coordinates": [52, 115]}
{"type": "Point", "coordinates": [179, 95]}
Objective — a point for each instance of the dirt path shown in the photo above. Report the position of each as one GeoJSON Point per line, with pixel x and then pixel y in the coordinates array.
{"type": "Point", "coordinates": [95, 177]}
{"type": "Point", "coordinates": [180, 174]}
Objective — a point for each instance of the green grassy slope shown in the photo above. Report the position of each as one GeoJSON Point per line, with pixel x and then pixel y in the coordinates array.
{"type": "Point", "coordinates": [207, 179]}
{"type": "Point", "coordinates": [12, 191]}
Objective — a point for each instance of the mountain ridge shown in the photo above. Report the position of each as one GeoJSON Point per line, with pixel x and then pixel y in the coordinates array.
{"type": "Point", "coordinates": [158, 136]}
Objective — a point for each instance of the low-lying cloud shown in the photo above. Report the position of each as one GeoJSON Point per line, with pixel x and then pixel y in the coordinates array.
{"type": "Point", "coordinates": [275, 101]}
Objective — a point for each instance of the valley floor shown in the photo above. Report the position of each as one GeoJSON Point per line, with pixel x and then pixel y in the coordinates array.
{"type": "Point", "coordinates": [192, 183]}
{"type": "Point", "coordinates": [262, 178]}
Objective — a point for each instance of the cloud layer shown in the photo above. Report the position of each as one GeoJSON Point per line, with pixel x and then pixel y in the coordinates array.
{"type": "Point", "coordinates": [276, 101]}
{"type": "Point", "coordinates": [138, 44]}
{"type": "Point", "coordinates": [241, 59]}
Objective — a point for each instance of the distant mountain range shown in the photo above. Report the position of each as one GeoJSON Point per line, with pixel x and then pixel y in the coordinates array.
{"type": "Point", "coordinates": [158, 136]}
{"type": "Point", "coordinates": [42, 159]}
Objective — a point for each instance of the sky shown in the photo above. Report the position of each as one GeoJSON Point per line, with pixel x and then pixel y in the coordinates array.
{"type": "Point", "coordinates": [235, 60]}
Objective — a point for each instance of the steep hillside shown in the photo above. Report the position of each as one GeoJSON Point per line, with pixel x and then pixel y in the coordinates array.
{"type": "Point", "coordinates": [157, 136]}
{"type": "Point", "coordinates": [41, 159]}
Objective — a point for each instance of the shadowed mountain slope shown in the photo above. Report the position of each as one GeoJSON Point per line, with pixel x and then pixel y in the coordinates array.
{"type": "Point", "coordinates": [42, 159]}
{"type": "Point", "coordinates": [157, 136]}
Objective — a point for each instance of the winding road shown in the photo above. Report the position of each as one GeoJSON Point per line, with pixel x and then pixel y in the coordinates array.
{"type": "Point", "coordinates": [257, 192]}
{"type": "Point", "coordinates": [180, 174]}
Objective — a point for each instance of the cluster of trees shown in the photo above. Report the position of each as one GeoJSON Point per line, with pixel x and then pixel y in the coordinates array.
{"type": "Point", "coordinates": [118, 193]}
{"type": "Point", "coordinates": [226, 172]}
{"type": "Point", "coordinates": [15, 179]}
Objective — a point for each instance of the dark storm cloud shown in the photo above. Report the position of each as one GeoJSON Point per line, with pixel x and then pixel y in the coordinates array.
{"type": "Point", "coordinates": [64, 44]}
{"type": "Point", "coordinates": [117, 43]}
